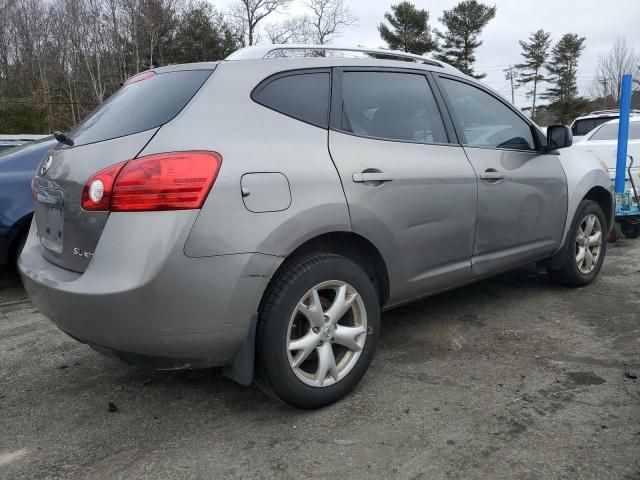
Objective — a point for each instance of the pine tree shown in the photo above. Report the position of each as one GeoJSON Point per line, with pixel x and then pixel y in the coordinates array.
{"type": "Point", "coordinates": [563, 68]}
{"type": "Point", "coordinates": [464, 23]}
{"type": "Point", "coordinates": [410, 32]}
{"type": "Point", "coordinates": [201, 35]}
{"type": "Point", "coordinates": [535, 54]}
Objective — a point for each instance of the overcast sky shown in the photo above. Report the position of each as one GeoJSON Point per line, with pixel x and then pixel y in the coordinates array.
{"type": "Point", "coordinates": [600, 21]}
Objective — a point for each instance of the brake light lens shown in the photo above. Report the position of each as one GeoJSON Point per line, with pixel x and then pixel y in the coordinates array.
{"type": "Point", "coordinates": [165, 181]}
{"type": "Point", "coordinates": [140, 77]}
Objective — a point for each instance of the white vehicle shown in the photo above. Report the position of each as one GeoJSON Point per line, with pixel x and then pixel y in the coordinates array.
{"type": "Point", "coordinates": [603, 143]}
{"type": "Point", "coordinates": [588, 122]}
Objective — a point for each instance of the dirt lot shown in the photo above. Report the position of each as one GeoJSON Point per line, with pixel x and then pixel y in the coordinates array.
{"type": "Point", "coordinates": [510, 378]}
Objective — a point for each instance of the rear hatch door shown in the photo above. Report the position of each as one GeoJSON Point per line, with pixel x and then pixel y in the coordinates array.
{"type": "Point", "coordinates": [114, 133]}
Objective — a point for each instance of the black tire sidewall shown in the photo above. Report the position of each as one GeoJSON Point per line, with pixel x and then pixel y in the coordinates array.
{"type": "Point", "coordinates": [271, 352]}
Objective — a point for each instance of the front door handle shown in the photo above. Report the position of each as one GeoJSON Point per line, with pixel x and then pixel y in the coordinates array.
{"type": "Point", "coordinates": [492, 175]}
{"type": "Point", "coordinates": [366, 177]}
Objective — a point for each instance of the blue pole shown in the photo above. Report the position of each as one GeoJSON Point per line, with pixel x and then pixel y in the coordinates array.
{"type": "Point", "coordinates": [623, 132]}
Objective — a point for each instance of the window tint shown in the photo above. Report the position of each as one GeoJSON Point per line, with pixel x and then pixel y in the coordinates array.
{"type": "Point", "coordinates": [304, 96]}
{"type": "Point", "coordinates": [397, 106]}
{"type": "Point", "coordinates": [582, 127]}
{"type": "Point", "coordinates": [610, 132]}
{"type": "Point", "coordinates": [485, 121]}
{"type": "Point", "coordinates": [140, 106]}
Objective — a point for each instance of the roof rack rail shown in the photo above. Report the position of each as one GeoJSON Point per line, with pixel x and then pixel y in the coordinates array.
{"type": "Point", "coordinates": [255, 52]}
{"type": "Point", "coordinates": [613, 111]}
{"type": "Point", "coordinates": [610, 110]}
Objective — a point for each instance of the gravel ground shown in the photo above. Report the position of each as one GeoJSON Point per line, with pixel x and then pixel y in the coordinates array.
{"type": "Point", "coordinates": [513, 377]}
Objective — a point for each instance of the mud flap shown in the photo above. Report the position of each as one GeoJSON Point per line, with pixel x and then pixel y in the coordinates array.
{"type": "Point", "coordinates": [241, 371]}
{"type": "Point", "coordinates": [556, 261]}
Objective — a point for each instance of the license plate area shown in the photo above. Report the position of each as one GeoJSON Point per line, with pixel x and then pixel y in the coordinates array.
{"type": "Point", "coordinates": [50, 219]}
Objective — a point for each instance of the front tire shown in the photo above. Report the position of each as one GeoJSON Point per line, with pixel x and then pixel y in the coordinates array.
{"type": "Point", "coordinates": [317, 331]}
{"type": "Point", "coordinates": [586, 247]}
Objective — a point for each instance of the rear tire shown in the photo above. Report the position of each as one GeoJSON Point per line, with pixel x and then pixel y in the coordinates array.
{"type": "Point", "coordinates": [317, 331]}
{"type": "Point", "coordinates": [586, 246]}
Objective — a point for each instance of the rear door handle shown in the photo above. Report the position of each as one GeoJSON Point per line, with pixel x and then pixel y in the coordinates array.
{"type": "Point", "coordinates": [491, 175]}
{"type": "Point", "coordinates": [371, 177]}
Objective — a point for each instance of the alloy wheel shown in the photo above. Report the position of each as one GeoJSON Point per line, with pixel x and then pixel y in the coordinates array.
{"type": "Point", "coordinates": [588, 243]}
{"type": "Point", "coordinates": [326, 334]}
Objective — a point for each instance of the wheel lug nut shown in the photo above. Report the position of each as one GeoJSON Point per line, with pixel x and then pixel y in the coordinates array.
{"type": "Point", "coordinates": [316, 329]}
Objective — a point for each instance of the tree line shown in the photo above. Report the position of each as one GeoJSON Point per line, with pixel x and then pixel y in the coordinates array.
{"type": "Point", "coordinates": [60, 59]}
{"type": "Point", "coordinates": [547, 71]}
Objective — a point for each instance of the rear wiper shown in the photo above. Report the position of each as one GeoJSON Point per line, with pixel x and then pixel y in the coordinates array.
{"type": "Point", "coordinates": [63, 138]}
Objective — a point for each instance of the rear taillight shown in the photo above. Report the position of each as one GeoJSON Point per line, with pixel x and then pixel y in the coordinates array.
{"type": "Point", "coordinates": [165, 181]}
{"type": "Point", "coordinates": [96, 195]}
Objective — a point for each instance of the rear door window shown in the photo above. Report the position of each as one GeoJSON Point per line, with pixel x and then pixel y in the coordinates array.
{"type": "Point", "coordinates": [301, 95]}
{"type": "Point", "coordinates": [390, 105]}
{"type": "Point", "coordinates": [140, 106]}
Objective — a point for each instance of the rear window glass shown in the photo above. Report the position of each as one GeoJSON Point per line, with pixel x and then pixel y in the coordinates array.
{"type": "Point", "coordinates": [140, 106]}
{"type": "Point", "coordinates": [610, 132]}
{"type": "Point", "coordinates": [582, 127]}
{"type": "Point", "coordinates": [304, 96]}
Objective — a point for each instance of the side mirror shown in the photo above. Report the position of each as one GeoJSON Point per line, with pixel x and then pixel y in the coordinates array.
{"type": "Point", "coordinates": [559, 136]}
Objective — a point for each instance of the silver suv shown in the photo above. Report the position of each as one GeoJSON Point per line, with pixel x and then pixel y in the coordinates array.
{"type": "Point", "coordinates": [260, 212]}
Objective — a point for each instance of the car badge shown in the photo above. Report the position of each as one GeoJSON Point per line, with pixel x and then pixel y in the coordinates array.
{"type": "Point", "coordinates": [46, 165]}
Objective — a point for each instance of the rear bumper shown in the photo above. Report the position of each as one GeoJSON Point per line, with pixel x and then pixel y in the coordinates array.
{"type": "Point", "coordinates": [143, 298]}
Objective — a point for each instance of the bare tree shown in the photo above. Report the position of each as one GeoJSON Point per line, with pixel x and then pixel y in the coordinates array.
{"type": "Point", "coordinates": [622, 58]}
{"type": "Point", "coordinates": [6, 7]}
{"type": "Point", "coordinates": [59, 59]}
{"type": "Point", "coordinates": [158, 18]}
{"type": "Point", "coordinates": [328, 18]}
{"type": "Point", "coordinates": [290, 30]}
{"type": "Point", "coordinates": [249, 13]}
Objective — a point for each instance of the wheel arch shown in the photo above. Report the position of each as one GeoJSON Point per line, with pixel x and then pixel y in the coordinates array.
{"type": "Point", "coordinates": [602, 197]}
{"type": "Point", "coordinates": [18, 229]}
{"type": "Point", "coordinates": [353, 246]}
{"type": "Point", "coordinates": [349, 244]}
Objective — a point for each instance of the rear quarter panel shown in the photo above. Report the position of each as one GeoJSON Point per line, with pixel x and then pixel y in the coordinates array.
{"type": "Point", "coordinates": [252, 138]}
